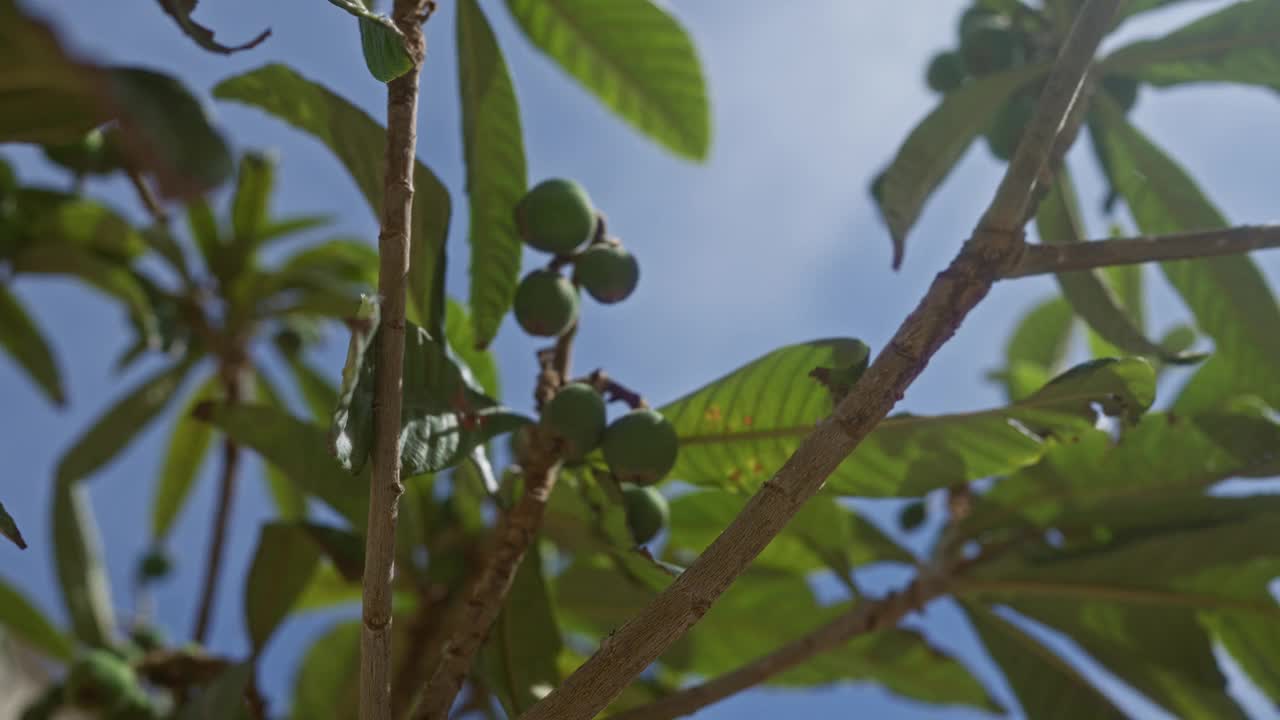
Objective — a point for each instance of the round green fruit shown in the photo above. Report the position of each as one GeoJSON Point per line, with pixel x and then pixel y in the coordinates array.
{"type": "Point", "coordinates": [556, 216]}
{"type": "Point", "coordinates": [1122, 89]}
{"type": "Point", "coordinates": [148, 637]}
{"type": "Point", "coordinates": [992, 47]}
{"type": "Point", "coordinates": [546, 304]}
{"type": "Point", "coordinates": [912, 516]}
{"type": "Point", "coordinates": [946, 72]}
{"type": "Point", "coordinates": [99, 679]}
{"type": "Point", "coordinates": [155, 565]}
{"type": "Point", "coordinates": [640, 447]}
{"type": "Point", "coordinates": [973, 18]}
{"type": "Point", "coordinates": [607, 272]}
{"type": "Point", "coordinates": [647, 512]}
{"type": "Point", "coordinates": [1005, 131]}
{"type": "Point", "coordinates": [576, 415]}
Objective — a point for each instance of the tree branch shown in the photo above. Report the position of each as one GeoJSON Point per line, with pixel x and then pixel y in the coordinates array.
{"type": "Point", "coordinates": [385, 488]}
{"type": "Point", "coordinates": [1046, 259]}
{"type": "Point", "coordinates": [995, 248]}
{"type": "Point", "coordinates": [231, 372]}
{"type": "Point", "coordinates": [863, 618]}
{"type": "Point", "coordinates": [487, 591]}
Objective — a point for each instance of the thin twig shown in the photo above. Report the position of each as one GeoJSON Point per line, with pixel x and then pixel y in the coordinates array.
{"type": "Point", "coordinates": [148, 198]}
{"type": "Point", "coordinates": [487, 590]}
{"type": "Point", "coordinates": [995, 248]}
{"type": "Point", "coordinates": [231, 380]}
{"type": "Point", "coordinates": [1045, 259]}
{"type": "Point", "coordinates": [385, 488]}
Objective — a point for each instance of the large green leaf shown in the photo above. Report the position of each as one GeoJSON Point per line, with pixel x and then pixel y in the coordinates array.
{"type": "Point", "coordinates": [299, 449]}
{"type": "Point", "coordinates": [444, 414]}
{"type": "Point", "coordinates": [1046, 686]}
{"type": "Point", "coordinates": [1058, 221]}
{"type": "Point", "coordinates": [739, 429]}
{"type": "Point", "coordinates": [25, 622]}
{"type": "Point", "coordinates": [9, 529]}
{"type": "Point", "coordinates": [1036, 348]}
{"type": "Point", "coordinates": [480, 363]}
{"type": "Point", "coordinates": [1228, 295]}
{"type": "Point", "coordinates": [23, 341]}
{"type": "Point", "coordinates": [520, 654]}
{"type": "Point", "coordinates": [289, 500]}
{"type": "Point", "coordinates": [223, 698]}
{"type": "Point", "coordinates": [359, 143]}
{"type": "Point", "coordinates": [322, 686]}
{"type": "Point", "coordinates": [43, 216]}
{"type": "Point", "coordinates": [116, 428]}
{"type": "Point", "coordinates": [1162, 652]}
{"type": "Point", "coordinates": [493, 147]}
{"type": "Point", "coordinates": [900, 660]}
{"type": "Point", "coordinates": [180, 11]}
{"type": "Point", "coordinates": [823, 535]}
{"type": "Point", "coordinates": [1238, 44]}
{"type": "Point", "coordinates": [77, 551]}
{"type": "Point", "coordinates": [1253, 642]}
{"type": "Point", "coordinates": [188, 445]}
{"type": "Point", "coordinates": [634, 56]}
{"type": "Point", "coordinates": [935, 145]}
{"type": "Point", "coordinates": [251, 201]}
{"type": "Point", "coordinates": [109, 277]}
{"type": "Point", "coordinates": [283, 564]}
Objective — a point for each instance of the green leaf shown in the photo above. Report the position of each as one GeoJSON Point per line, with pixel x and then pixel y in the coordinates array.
{"type": "Point", "coordinates": [180, 11]}
{"type": "Point", "coordinates": [444, 414]}
{"type": "Point", "coordinates": [251, 202]}
{"type": "Point", "coordinates": [9, 529]}
{"type": "Point", "coordinates": [44, 216]}
{"type": "Point", "coordinates": [299, 449]}
{"type": "Point", "coordinates": [384, 49]}
{"type": "Point", "coordinates": [282, 567]}
{"type": "Point", "coordinates": [1046, 686]}
{"type": "Point", "coordinates": [739, 429]}
{"type": "Point", "coordinates": [480, 363]}
{"type": "Point", "coordinates": [901, 661]}
{"type": "Point", "coordinates": [343, 548]}
{"type": "Point", "coordinates": [204, 229]}
{"type": "Point", "coordinates": [1036, 349]}
{"type": "Point", "coordinates": [77, 552]}
{"type": "Point", "coordinates": [117, 427]}
{"type": "Point", "coordinates": [319, 393]}
{"type": "Point", "coordinates": [520, 655]}
{"type": "Point", "coordinates": [935, 145]}
{"type": "Point", "coordinates": [26, 623]}
{"type": "Point", "coordinates": [493, 147]}
{"type": "Point", "coordinates": [1162, 652]}
{"type": "Point", "coordinates": [1253, 642]}
{"type": "Point", "coordinates": [359, 143]}
{"type": "Point", "coordinates": [23, 341]}
{"type": "Point", "coordinates": [823, 535]}
{"type": "Point", "coordinates": [634, 56]}
{"type": "Point", "coordinates": [222, 699]}
{"type": "Point", "coordinates": [1238, 44]}
{"type": "Point", "coordinates": [322, 686]}
{"type": "Point", "coordinates": [110, 277]}
{"type": "Point", "coordinates": [1228, 295]}
{"type": "Point", "coordinates": [1058, 222]}
{"type": "Point", "coordinates": [188, 446]}
{"type": "Point", "coordinates": [290, 502]}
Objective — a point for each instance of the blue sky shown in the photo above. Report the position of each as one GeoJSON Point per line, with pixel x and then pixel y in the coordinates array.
{"type": "Point", "coordinates": [773, 241]}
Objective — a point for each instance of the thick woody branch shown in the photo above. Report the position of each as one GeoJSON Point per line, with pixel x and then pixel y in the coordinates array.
{"type": "Point", "coordinates": [995, 248]}
{"type": "Point", "coordinates": [1046, 259]}
{"type": "Point", "coordinates": [385, 488]}
{"type": "Point", "coordinates": [863, 618]}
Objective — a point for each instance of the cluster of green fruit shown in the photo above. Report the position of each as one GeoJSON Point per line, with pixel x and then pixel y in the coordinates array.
{"type": "Point", "coordinates": [639, 448]}
{"type": "Point", "coordinates": [100, 681]}
{"type": "Point", "coordinates": [557, 217]}
{"type": "Point", "coordinates": [993, 42]}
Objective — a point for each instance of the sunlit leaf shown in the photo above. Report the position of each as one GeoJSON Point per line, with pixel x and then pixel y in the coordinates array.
{"type": "Point", "coordinates": [322, 686]}
{"type": "Point", "coordinates": [22, 619]}
{"type": "Point", "coordinates": [634, 56]}
{"type": "Point", "coordinates": [188, 445]}
{"type": "Point", "coordinates": [360, 144]}
{"type": "Point", "coordinates": [27, 346]}
{"type": "Point", "coordinates": [493, 147]}
{"type": "Point", "coordinates": [283, 564]}
{"type": "Point", "coordinates": [77, 550]}
{"type": "Point", "coordinates": [1035, 351]}
{"type": "Point", "coordinates": [482, 365]}
{"type": "Point", "coordinates": [251, 201]}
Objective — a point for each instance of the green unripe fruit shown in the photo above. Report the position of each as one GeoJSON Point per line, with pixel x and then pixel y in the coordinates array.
{"type": "Point", "coordinates": [99, 679]}
{"type": "Point", "coordinates": [1005, 131]}
{"type": "Point", "coordinates": [640, 447]}
{"type": "Point", "coordinates": [1122, 89]}
{"type": "Point", "coordinates": [576, 415]}
{"type": "Point", "coordinates": [607, 272]}
{"type": "Point", "coordinates": [974, 18]}
{"type": "Point", "coordinates": [946, 72]}
{"type": "Point", "coordinates": [148, 637]}
{"type": "Point", "coordinates": [546, 304]}
{"type": "Point", "coordinates": [991, 47]}
{"type": "Point", "coordinates": [155, 565]}
{"type": "Point", "coordinates": [556, 216]}
{"type": "Point", "coordinates": [647, 512]}
{"type": "Point", "coordinates": [912, 516]}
